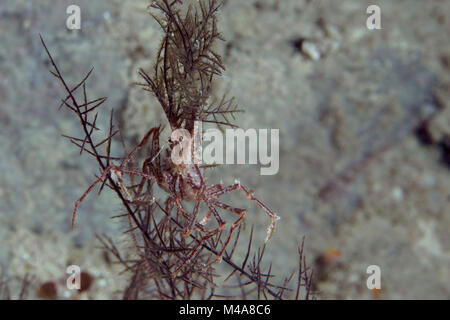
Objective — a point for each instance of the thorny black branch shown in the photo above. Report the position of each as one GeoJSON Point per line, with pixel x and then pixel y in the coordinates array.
{"type": "Point", "coordinates": [175, 253]}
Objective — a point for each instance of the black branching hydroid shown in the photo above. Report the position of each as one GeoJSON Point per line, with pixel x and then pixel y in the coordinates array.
{"type": "Point", "coordinates": [176, 254]}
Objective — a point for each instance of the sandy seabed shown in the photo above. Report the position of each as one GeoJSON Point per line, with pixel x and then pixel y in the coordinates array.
{"type": "Point", "coordinates": [364, 136]}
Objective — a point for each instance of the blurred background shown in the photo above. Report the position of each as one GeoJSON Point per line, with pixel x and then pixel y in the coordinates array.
{"type": "Point", "coordinates": [364, 136]}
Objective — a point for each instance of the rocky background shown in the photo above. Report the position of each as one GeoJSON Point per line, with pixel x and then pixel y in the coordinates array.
{"type": "Point", "coordinates": [364, 136]}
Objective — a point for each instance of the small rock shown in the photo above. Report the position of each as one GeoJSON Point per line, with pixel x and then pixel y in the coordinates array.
{"type": "Point", "coordinates": [310, 49]}
{"type": "Point", "coordinates": [397, 193]}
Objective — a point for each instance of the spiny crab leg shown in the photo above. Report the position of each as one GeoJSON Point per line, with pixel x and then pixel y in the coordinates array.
{"type": "Point", "coordinates": [116, 176]}
{"type": "Point", "coordinates": [272, 215]}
